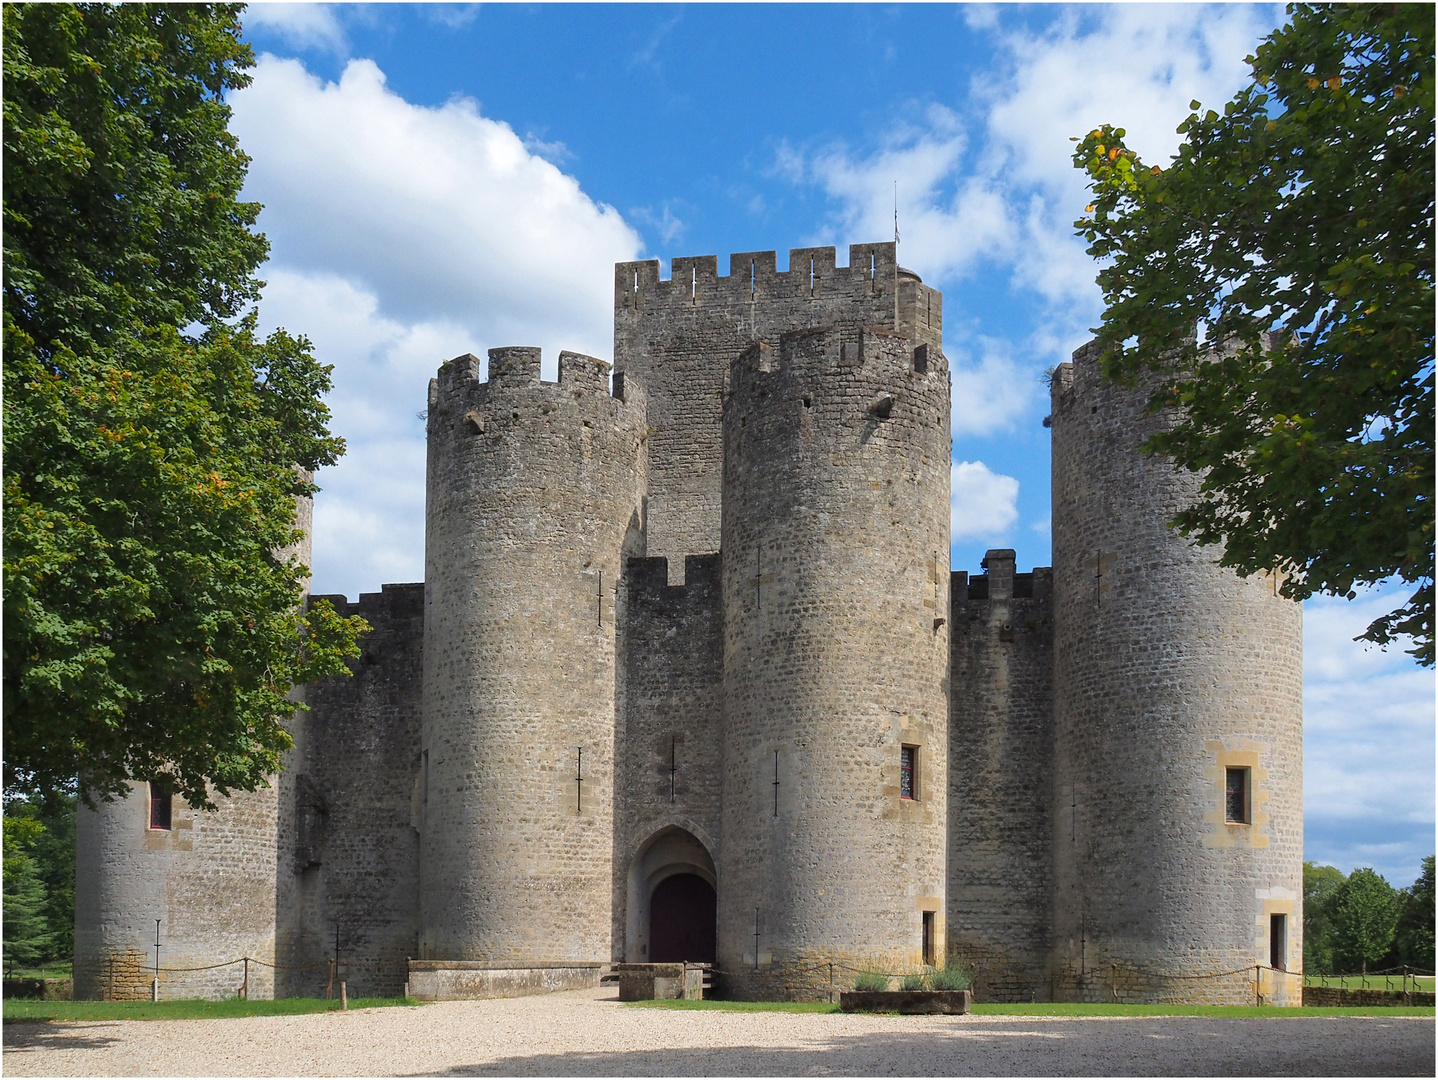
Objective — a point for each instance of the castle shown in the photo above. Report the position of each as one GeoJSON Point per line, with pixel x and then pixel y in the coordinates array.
{"type": "Point", "coordinates": [690, 678]}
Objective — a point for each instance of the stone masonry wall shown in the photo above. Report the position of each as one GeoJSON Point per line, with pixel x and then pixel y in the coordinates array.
{"type": "Point", "coordinates": [1000, 778]}
{"type": "Point", "coordinates": [836, 651]}
{"type": "Point", "coordinates": [535, 500]}
{"type": "Point", "coordinates": [354, 853]}
{"type": "Point", "coordinates": [680, 336]}
{"type": "Point", "coordinates": [209, 879]}
{"type": "Point", "coordinates": [672, 712]}
{"type": "Point", "coordinates": [1168, 669]}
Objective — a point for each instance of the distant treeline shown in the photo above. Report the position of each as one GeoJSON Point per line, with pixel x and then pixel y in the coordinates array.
{"type": "Point", "coordinates": [1361, 923]}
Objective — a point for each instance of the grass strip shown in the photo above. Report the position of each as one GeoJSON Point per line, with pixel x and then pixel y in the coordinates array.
{"type": "Point", "coordinates": [21, 1010]}
{"type": "Point", "coordinates": [1266, 1012]}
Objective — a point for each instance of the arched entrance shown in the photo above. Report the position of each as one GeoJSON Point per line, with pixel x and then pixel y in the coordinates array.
{"type": "Point", "coordinates": [671, 902]}
{"type": "Point", "coordinates": [682, 920]}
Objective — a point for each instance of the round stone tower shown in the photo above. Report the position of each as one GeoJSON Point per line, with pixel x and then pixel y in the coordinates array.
{"type": "Point", "coordinates": [534, 499]}
{"type": "Point", "coordinates": [1178, 687]}
{"type": "Point", "coordinates": [208, 877]}
{"type": "Point", "coordinates": [835, 542]}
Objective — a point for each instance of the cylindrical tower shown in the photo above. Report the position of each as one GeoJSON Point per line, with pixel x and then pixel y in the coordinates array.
{"type": "Point", "coordinates": [208, 877]}
{"type": "Point", "coordinates": [534, 499]}
{"type": "Point", "coordinates": [1178, 700]}
{"type": "Point", "coordinates": [835, 547]}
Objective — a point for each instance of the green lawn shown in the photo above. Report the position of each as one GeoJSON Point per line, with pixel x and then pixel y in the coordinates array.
{"type": "Point", "coordinates": [51, 971]}
{"type": "Point", "coordinates": [1268, 1012]}
{"type": "Point", "coordinates": [23, 1009]}
{"type": "Point", "coordinates": [1371, 982]}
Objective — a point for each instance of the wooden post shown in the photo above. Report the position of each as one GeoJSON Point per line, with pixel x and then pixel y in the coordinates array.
{"type": "Point", "coordinates": [246, 990]}
{"type": "Point", "coordinates": [344, 997]}
{"type": "Point", "coordinates": [330, 989]}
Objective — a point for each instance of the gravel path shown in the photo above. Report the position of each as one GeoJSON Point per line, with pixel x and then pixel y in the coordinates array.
{"type": "Point", "coordinates": [588, 1033]}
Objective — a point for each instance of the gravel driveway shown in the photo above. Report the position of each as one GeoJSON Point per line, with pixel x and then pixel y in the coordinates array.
{"type": "Point", "coordinates": [588, 1033]}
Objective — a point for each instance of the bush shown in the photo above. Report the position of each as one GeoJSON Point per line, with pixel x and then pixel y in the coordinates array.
{"type": "Point", "coordinates": [950, 977]}
{"type": "Point", "coordinates": [871, 981]}
{"type": "Point", "coordinates": [915, 980]}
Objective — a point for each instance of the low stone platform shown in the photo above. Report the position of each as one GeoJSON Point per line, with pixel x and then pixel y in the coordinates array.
{"type": "Point", "coordinates": [908, 1002]}
{"type": "Point", "coordinates": [460, 980]}
{"type": "Point", "coordinates": [651, 982]}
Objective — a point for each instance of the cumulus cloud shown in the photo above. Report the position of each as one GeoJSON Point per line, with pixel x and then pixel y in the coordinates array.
{"type": "Point", "coordinates": [302, 26]}
{"type": "Point", "coordinates": [983, 505]}
{"type": "Point", "coordinates": [990, 391]}
{"type": "Point", "coordinates": [441, 212]}
{"type": "Point", "coordinates": [402, 236]}
{"type": "Point", "coordinates": [1368, 743]}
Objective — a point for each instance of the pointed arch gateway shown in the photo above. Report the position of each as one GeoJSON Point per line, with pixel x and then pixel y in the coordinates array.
{"type": "Point", "coordinates": [672, 900]}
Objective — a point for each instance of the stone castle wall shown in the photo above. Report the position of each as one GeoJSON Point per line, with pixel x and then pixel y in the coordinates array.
{"type": "Point", "coordinates": [1000, 778]}
{"type": "Point", "coordinates": [351, 858]}
{"type": "Point", "coordinates": [535, 500]}
{"type": "Point", "coordinates": [209, 879]}
{"type": "Point", "coordinates": [1168, 669]}
{"type": "Point", "coordinates": [671, 738]}
{"type": "Point", "coordinates": [680, 337]}
{"type": "Point", "coordinates": [835, 571]}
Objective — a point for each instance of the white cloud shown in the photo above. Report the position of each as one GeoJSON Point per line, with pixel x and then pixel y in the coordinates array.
{"type": "Point", "coordinates": [303, 26]}
{"type": "Point", "coordinates": [441, 212]}
{"type": "Point", "coordinates": [991, 391]}
{"type": "Point", "coordinates": [1368, 743]}
{"type": "Point", "coordinates": [403, 236]}
{"type": "Point", "coordinates": [982, 504]}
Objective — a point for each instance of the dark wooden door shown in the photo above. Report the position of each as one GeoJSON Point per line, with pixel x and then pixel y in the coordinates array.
{"type": "Point", "coordinates": [682, 921]}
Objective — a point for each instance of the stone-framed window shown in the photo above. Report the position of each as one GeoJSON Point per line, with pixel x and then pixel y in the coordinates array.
{"type": "Point", "coordinates": [908, 772]}
{"type": "Point", "coordinates": [1237, 795]}
{"type": "Point", "coordinates": [159, 807]}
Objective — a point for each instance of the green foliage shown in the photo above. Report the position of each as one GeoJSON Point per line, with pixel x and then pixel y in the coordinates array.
{"type": "Point", "coordinates": [50, 828]}
{"type": "Point", "coordinates": [950, 977]}
{"type": "Point", "coordinates": [1414, 935]}
{"type": "Point", "coordinates": [1319, 885]}
{"type": "Point", "coordinates": [871, 981]}
{"type": "Point", "coordinates": [26, 931]}
{"type": "Point", "coordinates": [914, 980]}
{"type": "Point", "coordinates": [151, 627]}
{"type": "Point", "coordinates": [1297, 225]}
{"type": "Point", "coordinates": [1364, 910]}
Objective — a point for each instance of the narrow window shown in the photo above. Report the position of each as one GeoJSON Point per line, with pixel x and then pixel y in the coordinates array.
{"type": "Point", "coordinates": [921, 359]}
{"type": "Point", "coordinates": [908, 772]}
{"type": "Point", "coordinates": [1236, 797]}
{"type": "Point", "coordinates": [928, 939]}
{"type": "Point", "coordinates": [159, 807]}
{"type": "Point", "coordinates": [1278, 942]}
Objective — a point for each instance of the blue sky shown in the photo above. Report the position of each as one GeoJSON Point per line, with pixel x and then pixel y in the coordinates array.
{"type": "Point", "coordinates": [441, 179]}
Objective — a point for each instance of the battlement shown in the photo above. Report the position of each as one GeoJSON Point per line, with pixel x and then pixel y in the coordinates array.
{"type": "Point", "coordinates": [826, 349]}
{"type": "Point", "coordinates": [401, 601]}
{"type": "Point", "coordinates": [459, 392]}
{"type": "Point", "coordinates": [1000, 581]}
{"type": "Point", "coordinates": [754, 277]}
{"type": "Point", "coordinates": [649, 577]}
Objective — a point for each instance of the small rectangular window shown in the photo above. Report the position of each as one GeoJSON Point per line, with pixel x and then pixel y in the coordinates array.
{"type": "Point", "coordinates": [159, 807]}
{"type": "Point", "coordinates": [1278, 942]}
{"type": "Point", "coordinates": [908, 772]}
{"type": "Point", "coordinates": [928, 939]}
{"type": "Point", "coordinates": [1236, 797]}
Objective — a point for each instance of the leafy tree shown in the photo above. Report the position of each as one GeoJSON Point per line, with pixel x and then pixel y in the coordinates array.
{"type": "Point", "coordinates": [1364, 910]}
{"type": "Point", "coordinates": [1296, 226]}
{"type": "Point", "coordinates": [1415, 923]}
{"type": "Point", "coordinates": [1319, 885]}
{"type": "Point", "coordinates": [51, 826]}
{"type": "Point", "coordinates": [154, 445]}
{"type": "Point", "coordinates": [27, 940]}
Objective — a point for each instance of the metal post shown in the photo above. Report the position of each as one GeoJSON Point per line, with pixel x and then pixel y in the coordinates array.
{"type": "Point", "coordinates": [599, 599]}
{"type": "Point", "coordinates": [156, 989]}
{"type": "Point", "coordinates": [1257, 996]}
{"type": "Point", "coordinates": [579, 781]}
{"type": "Point", "coordinates": [756, 939]}
{"type": "Point", "coordinates": [776, 783]}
